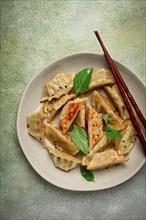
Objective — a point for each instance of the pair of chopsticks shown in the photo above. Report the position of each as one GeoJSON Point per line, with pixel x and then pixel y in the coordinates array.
{"type": "Point", "coordinates": [125, 93]}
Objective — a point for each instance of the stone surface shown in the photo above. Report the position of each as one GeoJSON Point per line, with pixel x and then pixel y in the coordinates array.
{"type": "Point", "coordinates": [33, 34]}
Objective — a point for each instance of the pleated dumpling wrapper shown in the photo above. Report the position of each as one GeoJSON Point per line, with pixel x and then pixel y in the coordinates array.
{"type": "Point", "coordinates": [106, 159]}
{"type": "Point", "coordinates": [101, 105]}
{"type": "Point", "coordinates": [128, 139]}
{"type": "Point", "coordinates": [51, 108]}
{"type": "Point", "coordinates": [113, 92]}
{"type": "Point", "coordinates": [61, 84]}
{"type": "Point", "coordinates": [35, 123]}
{"type": "Point", "coordinates": [63, 160]}
{"type": "Point", "coordinates": [95, 127]}
{"type": "Point", "coordinates": [69, 113]}
{"type": "Point", "coordinates": [100, 77]}
{"type": "Point", "coordinates": [102, 144]}
{"type": "Point", "coordinates": [55, 136]}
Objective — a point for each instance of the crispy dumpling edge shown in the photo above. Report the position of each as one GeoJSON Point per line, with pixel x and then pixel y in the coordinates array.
{"type": "Point", "coordinates": [63, 160]}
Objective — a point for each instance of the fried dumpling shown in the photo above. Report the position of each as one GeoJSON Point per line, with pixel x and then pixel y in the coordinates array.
{"type": "Point", "coordinates": [63, 160]}
{"type": "Point", "coordinates": [100, 77]}
{"type": "Point", "coordinates": [80, 120]}
{"type": "Point", "coordinates": [114, 94]}
{"type": "Point", "coordinates": [102, 144]}
{"type": "Point", "coordinates": [35, 123]}
{"type": "Point", "coordinates": [61, 84]}
{"type": "Point", "coordinates": [109, 103]}
{"type": "Point", "coordinates": [55, 136]}
{"type": "Point", "coordinates": [101, 106]}
{"type": "Point", "coordinates": [106, 159]}
{"type": "Point", "coordinates": [95, 125]}
{"type": "Point", "coordinates": [128, 139]}
{"type": "Point", "coordinates": [69, 113]}
{"type": "Point", "coordinates": [53, 106]}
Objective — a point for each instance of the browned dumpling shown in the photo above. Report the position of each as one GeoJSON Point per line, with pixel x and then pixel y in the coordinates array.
{"type": "Point", "coordinates": [102, 144]}
{"type": "Point", "coordinates": [106, 159]}
{"type": "Point", "coordinates": [114, 94]}
{"type": "Point", "coordinates": [95, 127]}
{"type": "Point", "coordinates": [128, 139]}
{"type": "Point", "coordinates": [63, 160]}
{"type": "Point", "coordinates": [52, 107]}
{"type": "Point", "coordinates": [61, 84]}
{"type": "Point", "coordinates": [80, 120]}
{"type": "Point", "coordinates": [69, 113]}
{"type": "Point", "coordinates": [100, 77]}
{"type": "Point", "coordinates": [35, 123]}
{"type": "Point", "coordinates": [55, 136]}
{"type": "Point", "coordinates": [101, 106]}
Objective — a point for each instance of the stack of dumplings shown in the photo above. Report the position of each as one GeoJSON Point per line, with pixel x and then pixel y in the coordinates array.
{"type": "Point", "coordinates": [58, 98]}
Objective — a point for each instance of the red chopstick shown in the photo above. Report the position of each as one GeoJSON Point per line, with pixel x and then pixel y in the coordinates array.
{"type": "Point", "coordinates": [122, 86]}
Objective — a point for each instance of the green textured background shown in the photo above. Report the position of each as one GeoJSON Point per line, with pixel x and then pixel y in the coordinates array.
{"type": "Point", "coordinates": [33, 34]}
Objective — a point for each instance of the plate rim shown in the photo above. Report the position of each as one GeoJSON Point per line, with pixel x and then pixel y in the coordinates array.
{"type": "Point", "coordinates": [18, 116]}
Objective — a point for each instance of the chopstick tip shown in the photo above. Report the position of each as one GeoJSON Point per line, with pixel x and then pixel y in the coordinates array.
{"type": "Point", "coordinates": [96, 33]}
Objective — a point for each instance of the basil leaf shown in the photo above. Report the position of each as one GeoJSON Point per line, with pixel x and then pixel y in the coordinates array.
{"type": "Point", "coordinates": [87, 174]}
{"type": "Point", "coordinates": [79, 138]}
{"type": "Point", "coordinates": [112, 133]}
{"type": "Point", "coordinates": [105, 121]}
{"type": "Point", "coordinates": [82, 80]}
{"type": "Point", "coordinates": [105, 118]}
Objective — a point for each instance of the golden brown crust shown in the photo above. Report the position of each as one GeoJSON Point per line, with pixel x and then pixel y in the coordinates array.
{"type": "Point", "coordinates": [95, 125]}
{"type": "Point", "coordinates": [69, 113]}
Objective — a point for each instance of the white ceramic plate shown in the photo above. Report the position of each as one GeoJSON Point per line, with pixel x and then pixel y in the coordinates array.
{"type": "Point", "coordinates": [39, 157]}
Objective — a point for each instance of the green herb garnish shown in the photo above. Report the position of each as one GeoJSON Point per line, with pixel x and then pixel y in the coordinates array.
{"type": "Point", "coordinates": [80, 139]}
{"type": "Point", "coordinates": [82, 80]}
{"type": "Point", "coordinates": [87, 174]}
{"type": "Point", "coordinates": [110, 132]}
{"type": "Point", "coordinates": [105, 121]}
